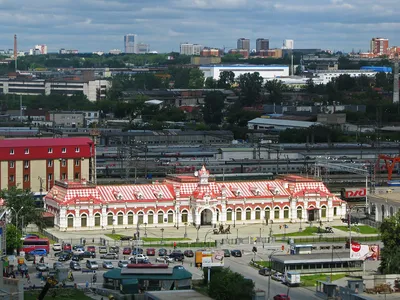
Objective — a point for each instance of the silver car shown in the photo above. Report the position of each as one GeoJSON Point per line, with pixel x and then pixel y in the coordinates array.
{"type": "Point", "coordinates": [42, 267]}
{"type": "Point", "coordinates": [107, 265]}
{"type": "Point", "coordinates": [123, 263]}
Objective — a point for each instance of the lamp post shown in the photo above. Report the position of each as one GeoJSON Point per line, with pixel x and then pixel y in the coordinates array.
{"type": "Point", "coordinates": [234, 216]}
{"type": "Point", "coordinates": [185, 235]}
{"type": "Point", "coordinates": [162, 235]}
{"type": "Point", "coordinates": [301, 218]}
{"type": "Point", "coordinates": [270, 269]}
{"type": "Point", "coordinates": [16, 223]}
{"type": "Point", "coordinates": [197, 238]}
{"type": "Point", "coordinates": [145, 229]}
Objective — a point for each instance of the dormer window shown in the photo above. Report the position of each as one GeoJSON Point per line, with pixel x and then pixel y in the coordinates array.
{"type": "Point", "coordinates": [158, 194]}
{"type": "Point", "coordinates": [117, 195]}
{"type": "Point", "coordinates": [138, 194]}
{"type": "Point", "coordinates": [26, 151]}
{"type": "Point", "coordinates": [12, 151]}
{"type": "Point", "coordinates": [255, 190]}
{"type": "Point", "coordinates": [236, 191]}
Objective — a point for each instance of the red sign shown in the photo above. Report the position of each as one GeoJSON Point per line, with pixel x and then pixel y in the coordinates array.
{"type": "Point", "coordinates": [356, 247]}
{"type": "Point", "coordinates": [355, 193]}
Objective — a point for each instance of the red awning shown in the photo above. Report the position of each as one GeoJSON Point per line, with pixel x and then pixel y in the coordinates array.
{"type": "Point", "coordinates": [47, 214]}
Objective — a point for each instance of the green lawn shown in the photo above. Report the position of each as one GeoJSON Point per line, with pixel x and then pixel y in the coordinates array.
{"type": "Point", "coordinates": [363, 229]}
{"type": "Point", "coordinates": [58, 294]}
{"type": "Point", "coordinates": [114, 236]}
{"type": "Point", "coordinates": [263, 263]}
{"type": "Point", "coordinates": [309, 280]}
{"type": "Point", "coordinates": [117, 237]}
{"type": "Point", "coordinates": [308, 231]}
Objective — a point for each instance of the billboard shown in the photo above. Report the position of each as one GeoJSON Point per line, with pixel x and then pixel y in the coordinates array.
{"type": "Point", "coordinates": [364, 252]}
{"type": "Point", "coordinates": [212, 258]}
{"type": "Point", "coordinates": [350, 193]}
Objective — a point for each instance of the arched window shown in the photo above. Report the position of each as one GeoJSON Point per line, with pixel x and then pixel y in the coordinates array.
{"type": "Point", "coordinates": [160, 217]}
{"type": "Point", "coordinates": [248, 214]}
{"type": "Point", "coordinates": [110, 219]}
{"type": "Point", "coordinates": [238, 214]}
{"type": "Point", "coordinates": [229, 214]}
{"type": "Point", "coordinates": [184, 216]}
{"type": "Point", "coordinates": [150, 217]}
{"type": "Point", "coordinates": [84, 220]}
{"type": "Point", "coordinates": [267, 215]}
{"type": "Point", "coordinates": [120, 218]}
{"type": "Point", "coordinates": [335, 211]}
{"type": "Point", "coordinates": [299, 212]}
{"type": "Point", "coordinates": [323, 212]}
{"type": "Point", "coordinates": [140, 217]}
{"type": "Point", "coordinates": [130, 218]}
{"type": "Point", "coordinates": [170, 216]}
{"type": "Point", "coordinates": [70, 220]}
{"type": "Point", "coordinates": [276, 213]}
{"type": "Point", "coordinates": [286, 212]}
{"type": "Point", "coordinates": [97, 220]}
{"type": "Point", "coordinates": [258, 213]}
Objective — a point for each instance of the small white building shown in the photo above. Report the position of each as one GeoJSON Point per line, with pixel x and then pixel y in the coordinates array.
{"type": "Point", "coordinates": [325, 76]}
{"type": "Point", "coordinates": [266, 72]}
{"type": "Point", "coordinates": [278, 124]}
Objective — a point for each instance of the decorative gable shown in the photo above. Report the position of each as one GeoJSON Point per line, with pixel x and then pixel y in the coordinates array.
{"type": "Point", "coordinates": [159, 194]}
{"type": "Point", "coordinates": [236, 191]}
{"type": "Point", "coordinates": [138, 194]}
{"type": "Point", "coordinates": [117, 195]}
{"type": "Point", "coordinates": [255, 190]}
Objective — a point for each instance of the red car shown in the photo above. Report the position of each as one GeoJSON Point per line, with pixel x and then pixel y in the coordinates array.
{"type": "Point", "coordinates": [67, 247]}
{"type": "Point", "coordinates": [127, 251]}
{"type": "Point", "coordinates": [150, 252]}
{"type": "Point", "coordinates": [91, 249]}
{"type": "Point", "coordinates": [281, 297]}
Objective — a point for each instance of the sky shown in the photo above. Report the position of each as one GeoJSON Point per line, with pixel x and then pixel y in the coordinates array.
{"type": "Point", "coordinates": [99, 25]}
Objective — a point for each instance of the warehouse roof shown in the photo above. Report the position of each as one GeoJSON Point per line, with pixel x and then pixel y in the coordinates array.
{"type": "Point", "coordinates": [278, 122]}
{"type": "Point", "coordinates": [45, 142]}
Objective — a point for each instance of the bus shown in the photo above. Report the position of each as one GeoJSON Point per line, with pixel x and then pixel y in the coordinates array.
{"type": "Point", "coordinates": [32, 243]}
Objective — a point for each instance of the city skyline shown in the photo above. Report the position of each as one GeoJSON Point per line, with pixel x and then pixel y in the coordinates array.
{"type": "Point", "coordinates": [96, 25]}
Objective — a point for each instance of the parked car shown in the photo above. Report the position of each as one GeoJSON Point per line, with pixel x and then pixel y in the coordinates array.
{"type": "Point", "coordinates": [277, 276]}
{"type": "Point", "coordinates": [92, 265]}
{"type": "Point", "coordinates": [57, 247]}
{"type": "Point", "coordinates": [102, 249]}
{"type": "Point", "coordinates": [150, 252]}
{"type": "Point", "coordinates": [264, 271]}
{"type": "Point", "coordinates": [125, 238]}
{"type": "Point", "coordinates": [62, 253]}
{"type": "Point", "coordinates": [137, 251]}
{"type": "Point", "coordinates": [74, 265]}
{"type": "Point", "coordinates": [65, 257]}
{"type": "Point", "coordinates": [227, 253]}
{"type": "Point", "coordinates": [91, 249]}
{"type": "Point", "coordinates": [123, 263]}
{"type": "Point", "coordinates": [127, 251]}
{"type": "Point", "coordinates": [281, 297]}
{"type": "Point", "coordinates": [29, 257]}
{"type": "Point", "coordinates": [177, 256]}
{"type": "Point", "coordinates": [22, 267]}
{"type": "Point", "coordinates": [188, 253]}
{"type": "Point", "coordinates": [109, 256]}
{"type": "Point", "coordinates": [114, 249]}
{"type": "Point", "coordinates": [57, 265]}
{"type": "Point", "coordinates": [67, 247]}
{"type": "Point", "coordinates": [165, 259]}
{"type": "Point", "coordinates": [78, 252]}
{"type": "Point", "coordinates": [40, 252]}
{"type": "Point", "coordinates": [162, 252]}
{"type": "Point", "coordinates": [108, 265]}
{"type": "Point", "coordinates": [77, 247]}
{"type": "Point", "coordinates": [76, 257]}
{"type": "Point", "coordinates": [236, 253]}
{"type": "Point", "coordinates": [138, 257]}
{"type": "Point", "coordinates": [88, 254]}
{"type": "Point", "coordinates": [42, 267]}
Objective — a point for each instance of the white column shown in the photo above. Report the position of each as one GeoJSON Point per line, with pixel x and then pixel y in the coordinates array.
{"type": "Point", "coordinates": [329, 210]}
{"type": "Point", "coordinates": [293, 210]}
{"type": "Point", "coordinates": [103, 217]}
{"type": "Point", "coordinates": [222, 216]}
{"type": "Point", "coordinates": [77, 221]}
{"type": "Point", "coordinates": [90, 218]}
{"type": "Point", "coordinates": [62, 218]}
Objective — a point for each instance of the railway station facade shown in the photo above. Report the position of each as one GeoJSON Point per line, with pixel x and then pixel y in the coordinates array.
{"type": "Point", "coordinates": [191, 200]}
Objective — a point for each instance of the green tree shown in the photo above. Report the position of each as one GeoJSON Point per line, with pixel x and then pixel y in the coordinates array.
{"type": "Point", "coordinates": [226, 79]}
{"type": "Point", "coordinates": [13, 238]}
{"type": "Point", "coordinates": [196, 79]}
{"type": "Point", "coordinates": [210, 83]}
{"type": "Point", "coordinates": [229, 285]}
{"type": "Point", "coordinates": [390, 237]}
{"type": "Point", "coordinates": [275, 89]}
{"type": "Point", "coordinates": [250, 88]}
{"type": "Point", "coordinates": [22, 201]}
{"type": "Point", "coordinates": [214, 104]}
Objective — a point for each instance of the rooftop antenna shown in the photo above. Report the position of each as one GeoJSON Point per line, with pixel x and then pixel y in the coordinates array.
{"type": "Point", "coordinates": [15, 52]}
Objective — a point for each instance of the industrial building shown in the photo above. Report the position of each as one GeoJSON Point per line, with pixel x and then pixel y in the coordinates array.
{"type": "Point", "coordinates": [277, 124]}
{"type": "Point", "coordinates": [270, 71]}
{"type": "Point", "coordinates": [92, 89]}
{"type": "Point", "coordinates": [326, 76]}
{"type": "Point", "coordinates": [36, 163]}
{"type": "Point", "coordinates": [185, 199]}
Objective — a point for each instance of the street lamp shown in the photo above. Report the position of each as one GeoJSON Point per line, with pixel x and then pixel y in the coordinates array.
{"type": "Point", "coordinates": [185, 235]}
{"type": "Point", "coordinates": [145, 229]}
{"type": "Point", "coordinates": [16, 215]}
{"type": "Point", "coordinates": [301, 218]}
{"type": "Point", "coordinates": [162, 235]}
{"type": "Point", "coordinates": [270, 269]}
{"type": "Point", "coordinates": [197, 238]}
{"type": "Point", "coordinates": [234, 216]}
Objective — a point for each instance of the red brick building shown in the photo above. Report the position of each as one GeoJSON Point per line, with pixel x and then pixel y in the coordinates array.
{"type": "Point", "coordinates": [36, 163]}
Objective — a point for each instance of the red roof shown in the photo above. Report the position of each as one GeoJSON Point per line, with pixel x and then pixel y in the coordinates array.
{"type": "Point", "coordinates": [45, 142]}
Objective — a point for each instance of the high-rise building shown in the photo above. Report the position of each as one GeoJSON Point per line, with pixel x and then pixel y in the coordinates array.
{"type": "Point", "coordinates": [262, 44]}
{"type": "Point", "coordinates": [130, 43]}
{"type": "Point", "coordinates": [288, 44]}
{"type": "Point", "coordinates": [243, 44]}
{"type": "Point", "coordinates": [190, 49]}
{"type": "Point", "coordinates": [38, 50]}
{"type": "Point", "coordinates": [143, 48]}
{"type": "Point", "coordinates": [380, 46]}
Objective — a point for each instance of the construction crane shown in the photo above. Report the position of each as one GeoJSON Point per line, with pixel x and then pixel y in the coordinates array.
{"type": "Point", "coordinates": [390, 163]}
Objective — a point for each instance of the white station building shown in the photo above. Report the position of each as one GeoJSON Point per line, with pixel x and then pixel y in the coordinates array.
{"type": "Point", "coordinates": [192, 200]}
{"type": "Point", "coordinates": [266, 72]}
